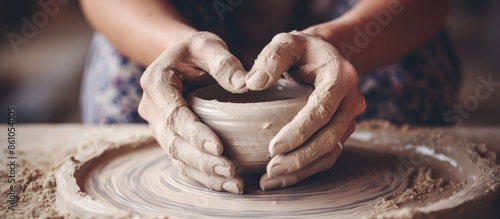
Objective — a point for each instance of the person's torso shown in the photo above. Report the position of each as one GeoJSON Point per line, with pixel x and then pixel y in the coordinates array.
{"type": "Point", "coordinates": [247, 26]}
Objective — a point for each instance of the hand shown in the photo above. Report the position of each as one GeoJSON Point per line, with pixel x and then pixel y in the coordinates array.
{"type": "Point", "coordinates": [313, 140]}
{"type": "Point", "coordinates": [193, 147]}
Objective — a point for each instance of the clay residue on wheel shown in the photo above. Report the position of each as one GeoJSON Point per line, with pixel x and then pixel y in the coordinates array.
{"type": "Point", "coordinates": [37, 187]}
{"type": "Point", "coordinates": [425, 193]}
{"type": "Point", "coordinates": [425, 190]}
{"type": "Point", "coordinates": [487, 162]}
{"type": "Point", "coordinates": [421, 186]}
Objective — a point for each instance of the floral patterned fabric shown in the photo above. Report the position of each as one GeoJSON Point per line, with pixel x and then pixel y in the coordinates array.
{"type": "Point", "coordinates": [110, 91]}
{"type": "Point", "coordinates": [418, 89]}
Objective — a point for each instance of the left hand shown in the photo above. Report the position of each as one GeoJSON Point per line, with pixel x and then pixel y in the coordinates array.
{"type": "Point", "coordinates": [313, 140]}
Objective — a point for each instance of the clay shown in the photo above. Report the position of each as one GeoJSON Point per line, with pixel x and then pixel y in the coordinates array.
{"type": "Point", "coordinates": [35, 187]}
{"type": "Point", "coordinates": [247, 122]}
{"type": "Point", "coordinates": [380, 164]}
{"type": "Point", "coordinates": [421, 186]}
{"type": "Point", "coordinates": [309, 143]}
{"type": "Point", "coordinates": [40, 154]}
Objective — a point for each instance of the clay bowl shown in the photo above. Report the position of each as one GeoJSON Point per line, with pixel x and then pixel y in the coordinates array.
{"type": "Point", "coordinates": [246, 123]}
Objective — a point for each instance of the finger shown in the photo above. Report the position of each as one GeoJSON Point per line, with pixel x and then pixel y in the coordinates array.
{"type": "Point", "coordinates": [185, 124]}
{"type": "Point", "coordinates": [349, 131]}
{"type": "Point", "coordinates": [339, 145]}
{"type": "Point", "coordinates": [213, 57]}
{"type": "Point", "coordinates": [321, 105]}
{"type": "Point", "coordinates": [179, 137]}
{"type": "Point", "coordinates": [318, 110]}
{"type": "Point", "coordinates": [323, 163]}
{"type": "Point", "coordinates": [172, 109]}
{"type": "Point", "coordinates": [217, 183]}
{"type": "Point", "coordinates": [322, 142]}
{"type": "Point", "coordinates": [179, 149]}
{"type": "Point", "coordinates": [276, 58]}
{"type": "Point", "coordinates": [146, 108]}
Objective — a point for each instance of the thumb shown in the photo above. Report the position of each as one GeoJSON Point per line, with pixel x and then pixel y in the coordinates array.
{"type": "Point", "coordinates": [211, 54]}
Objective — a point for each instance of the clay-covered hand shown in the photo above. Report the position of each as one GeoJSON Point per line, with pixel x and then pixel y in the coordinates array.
{"type": "Point", "coordinates": [313, 140]}
{"type": "Point", "coordinates": [193, 147]}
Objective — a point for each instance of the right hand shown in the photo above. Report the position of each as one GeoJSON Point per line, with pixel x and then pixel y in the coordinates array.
{"type": "Point", "coordinates": [193, 147]}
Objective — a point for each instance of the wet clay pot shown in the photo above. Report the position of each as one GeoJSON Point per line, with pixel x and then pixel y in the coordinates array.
{"type": "Point", "coordinates": [246, 123]}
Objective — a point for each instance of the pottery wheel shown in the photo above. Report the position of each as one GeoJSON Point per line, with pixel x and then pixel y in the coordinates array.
{"type": "Point", "coordinates": [147, 183]}
{"type": "Point", "coordinates": [138, 179]}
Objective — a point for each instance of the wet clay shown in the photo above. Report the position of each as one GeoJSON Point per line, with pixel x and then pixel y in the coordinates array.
{"type": "Point", "coordinates": [246, 123]}
{"type": "Point", "coordinates": [421, 186]}
{"type": "Point", "coordinates": [384, 172]}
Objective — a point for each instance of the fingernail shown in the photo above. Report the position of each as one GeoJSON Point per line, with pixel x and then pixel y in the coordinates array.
{"type": "Point", "coordinates": [211, 147]}
{"type": "Point", "coordinates": [273, 184]}
{"type": "Point", "coordinates": [223, 171]}
{"type": "Point", "coordinates": [278, 170]}
{"type": "Point", "coordinates": [238, 79]}
{"type": "Point", "coordinates": [257, 81]}
{"type": "Point", "coordinates": [231, 187]}
{"type": "Point", "coordinates": [277, 147]}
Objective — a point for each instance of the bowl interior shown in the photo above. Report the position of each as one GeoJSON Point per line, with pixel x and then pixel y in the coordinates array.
{"type": "Point", "coordinates": [283, 90]}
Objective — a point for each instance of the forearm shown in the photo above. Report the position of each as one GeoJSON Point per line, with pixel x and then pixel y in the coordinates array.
{"type": "Point", "coordinates": [141, 30]}
{"type": "Point", "coordinates": [375, 33]}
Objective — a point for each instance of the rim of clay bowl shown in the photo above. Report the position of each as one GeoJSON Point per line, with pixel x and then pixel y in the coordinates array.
{"type": "Point", "coordinates": [305, 89]}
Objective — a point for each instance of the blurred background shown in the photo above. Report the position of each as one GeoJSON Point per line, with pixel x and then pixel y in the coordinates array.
{"type": "Point", "coordinates": [40, 74]}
